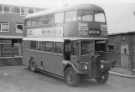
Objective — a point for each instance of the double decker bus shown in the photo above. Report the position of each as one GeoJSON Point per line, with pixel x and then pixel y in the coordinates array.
{"type": "Point", "coordinates": [69, 42]}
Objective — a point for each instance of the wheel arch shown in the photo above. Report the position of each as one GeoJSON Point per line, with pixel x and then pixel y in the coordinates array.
{"type": "Point", "coordinates": [67, 64]}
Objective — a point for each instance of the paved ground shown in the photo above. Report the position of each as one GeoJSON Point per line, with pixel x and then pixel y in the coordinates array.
{"type": "Point", "coordinates": [19, 79]}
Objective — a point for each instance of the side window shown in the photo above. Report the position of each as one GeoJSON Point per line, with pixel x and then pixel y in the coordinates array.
{"type": "Point", "coordinates": [70, 16]}
{"type": "Point", "coordinates": [6, 9]}
{"type": "Point", "coordinates": [33, 44]}
{"type": "Point", "coordinates": [49, 46]}
{"type": "Point", "coordinates": [34, 22]}
{"type": "Point", "coordinates": [22, 12]}
{"type": "Point", "coordinates": [16, 10]}
{"type": "Point", "coordinates": [28, 22]}
{"type": "Point", "coordinates": [48, 19]}
{"type": "Point", "coordinates": [59, 18]}
{"type": "Point", "coordinates": [75, 48]}
{"type": "Point", "coordinates": [58, 47]}
{"type": "Point", "coordinates": [31, 11]}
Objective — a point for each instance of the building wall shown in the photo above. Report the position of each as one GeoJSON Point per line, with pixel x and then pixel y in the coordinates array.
{"type": "Point", "coordinates": [123, 40]}
{"type": "Point", "coordinates": [12, 19]}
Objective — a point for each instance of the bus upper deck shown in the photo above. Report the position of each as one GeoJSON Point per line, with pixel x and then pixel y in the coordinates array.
{"type": "Point", "coordinates": [78, 21]}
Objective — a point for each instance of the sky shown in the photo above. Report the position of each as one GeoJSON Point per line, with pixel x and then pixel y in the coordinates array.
{"type": "Point", "coordinates": [59, 3]}
{"type": "Point", "coordinates": [120, 13]}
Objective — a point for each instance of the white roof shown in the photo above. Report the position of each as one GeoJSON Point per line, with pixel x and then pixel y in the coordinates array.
{"type": "Point", "coordinates": [44, 39]}
{"type": "Point", "coordinates": [75, 7]}
{"type": "Point", "coordinates": [62, 39]}
{"type": "Point", "coordinates": [89, 38]}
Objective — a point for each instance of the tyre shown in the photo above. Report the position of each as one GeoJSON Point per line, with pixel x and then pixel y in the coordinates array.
{"type": "Point", "coordinates": [71, 77]}
{"type": "Point", "coordinates": [32, 66]}
{"type": "Point", "coordinates": [102, 79]}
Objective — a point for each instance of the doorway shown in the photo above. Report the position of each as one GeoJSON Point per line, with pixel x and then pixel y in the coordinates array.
{"type": "Point", "coordinates": [125, 56]}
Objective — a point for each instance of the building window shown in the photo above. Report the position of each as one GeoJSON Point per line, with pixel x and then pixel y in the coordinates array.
{"type": "Point", "coordinates": [6, 9]}
{"type": "Point", "coordinates": [4, 27]}
{"type": "Point", "coordinates": [1, 8]}
{"type": "Point", "coordinates": [22, 12]}
{"type": "Point", "coordinates": [19, 28]}
{"type": "Point", "coordinates": [16, 10]}
{"type": "Point", "coordinates": [31, 11]}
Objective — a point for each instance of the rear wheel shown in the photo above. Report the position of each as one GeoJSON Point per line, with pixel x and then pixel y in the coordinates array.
{"type": "Point", "coordinates": [102, 78]}
{"type": "Point", "coordinates": [32, 66]}
{"type": "Point", "coordinates": [71, 77]}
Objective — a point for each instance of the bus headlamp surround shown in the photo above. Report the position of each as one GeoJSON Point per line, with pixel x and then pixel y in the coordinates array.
{"type": "Point", "coordinates": [101, 66]}
{"type": "Point", "coordinates": [83, 66]}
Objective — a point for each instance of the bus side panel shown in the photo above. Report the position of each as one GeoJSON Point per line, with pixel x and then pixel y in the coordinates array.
{"type": "Point", "coordinates": [52, 62]}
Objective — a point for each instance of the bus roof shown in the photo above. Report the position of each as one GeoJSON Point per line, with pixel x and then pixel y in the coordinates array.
{"type": "Point", "coordinates": [62, 39]}
{"type": "Point", "coordinates": [75, 7]}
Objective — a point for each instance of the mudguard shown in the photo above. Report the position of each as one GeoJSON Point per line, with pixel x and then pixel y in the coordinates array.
{"type": "Point", "coordinates": [68, 63]}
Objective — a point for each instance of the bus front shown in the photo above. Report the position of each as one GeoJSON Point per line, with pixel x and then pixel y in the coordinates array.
{"type": "Point", "coordinates": [91, 45]}
{"type": "Point", "coordinates": [92, 24]}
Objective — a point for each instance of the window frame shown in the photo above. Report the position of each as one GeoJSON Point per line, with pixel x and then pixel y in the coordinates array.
{"type": "Point", "coordinates": [62, 19]}
{"type": "Point", "coordinates": [19, 24]}
{"type": "Point", "coordinates": [65, 16]}
{"type": "Point", "coordinates": [98, 19]}
{"type": "Point", "coordinates": [22, 12]}
{"type": "Point", "coordinates": [1, 27]}
{"type": "Point", "coordinates": [56, 49]}
{"type": "Point", "coordinates": [4, 7]}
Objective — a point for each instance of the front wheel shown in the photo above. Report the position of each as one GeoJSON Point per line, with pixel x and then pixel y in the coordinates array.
{"type": "Point", "coordinates": [102, 78]}
{"type": "Point", "coordinates": [71, 78]}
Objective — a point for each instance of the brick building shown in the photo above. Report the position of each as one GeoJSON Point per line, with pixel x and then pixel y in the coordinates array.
{"type": "Point", "coordinates": [11, 31]}
{"type": "Point", "coordinates": [123, 48]}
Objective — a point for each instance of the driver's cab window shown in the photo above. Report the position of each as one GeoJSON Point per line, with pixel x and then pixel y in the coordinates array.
{"type": "Point", "coordinates": [75, 48]}
{"type": "Point", "coordinates": [67, 50]}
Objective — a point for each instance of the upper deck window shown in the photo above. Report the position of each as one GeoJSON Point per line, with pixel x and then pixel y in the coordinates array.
{"type": "Point", "coordinates": [70, 16]}
{"type": "Point", "coordinates": [6, 9]}
{"type": "Point", "coordinates": [16, 10]}
{"type": "Point", "coordinates": [85, 15]}
{"type": "Point", "coordinates": [31, 11]}
{"type": "Point", "coordinates": [59, 18]}
{"type": "Point", "coordinates": [99, 17]}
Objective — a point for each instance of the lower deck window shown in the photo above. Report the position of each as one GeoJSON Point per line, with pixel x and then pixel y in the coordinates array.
{"type": "Point", "coordinates": [55, 47]}
{"type": "Point", "coordinates": [85, 47]}
{"type": "Point", "coordinates": [100, 46]}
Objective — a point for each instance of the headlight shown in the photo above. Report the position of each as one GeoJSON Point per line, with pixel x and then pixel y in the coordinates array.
{"type": "Point", "coordinates": [101, 66]}
{"type": "Point", "coordinates": [83, 67]}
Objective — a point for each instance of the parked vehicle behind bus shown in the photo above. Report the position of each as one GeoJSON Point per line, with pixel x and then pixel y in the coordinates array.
{"type": "Point", "coordinates": [70, 43]}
